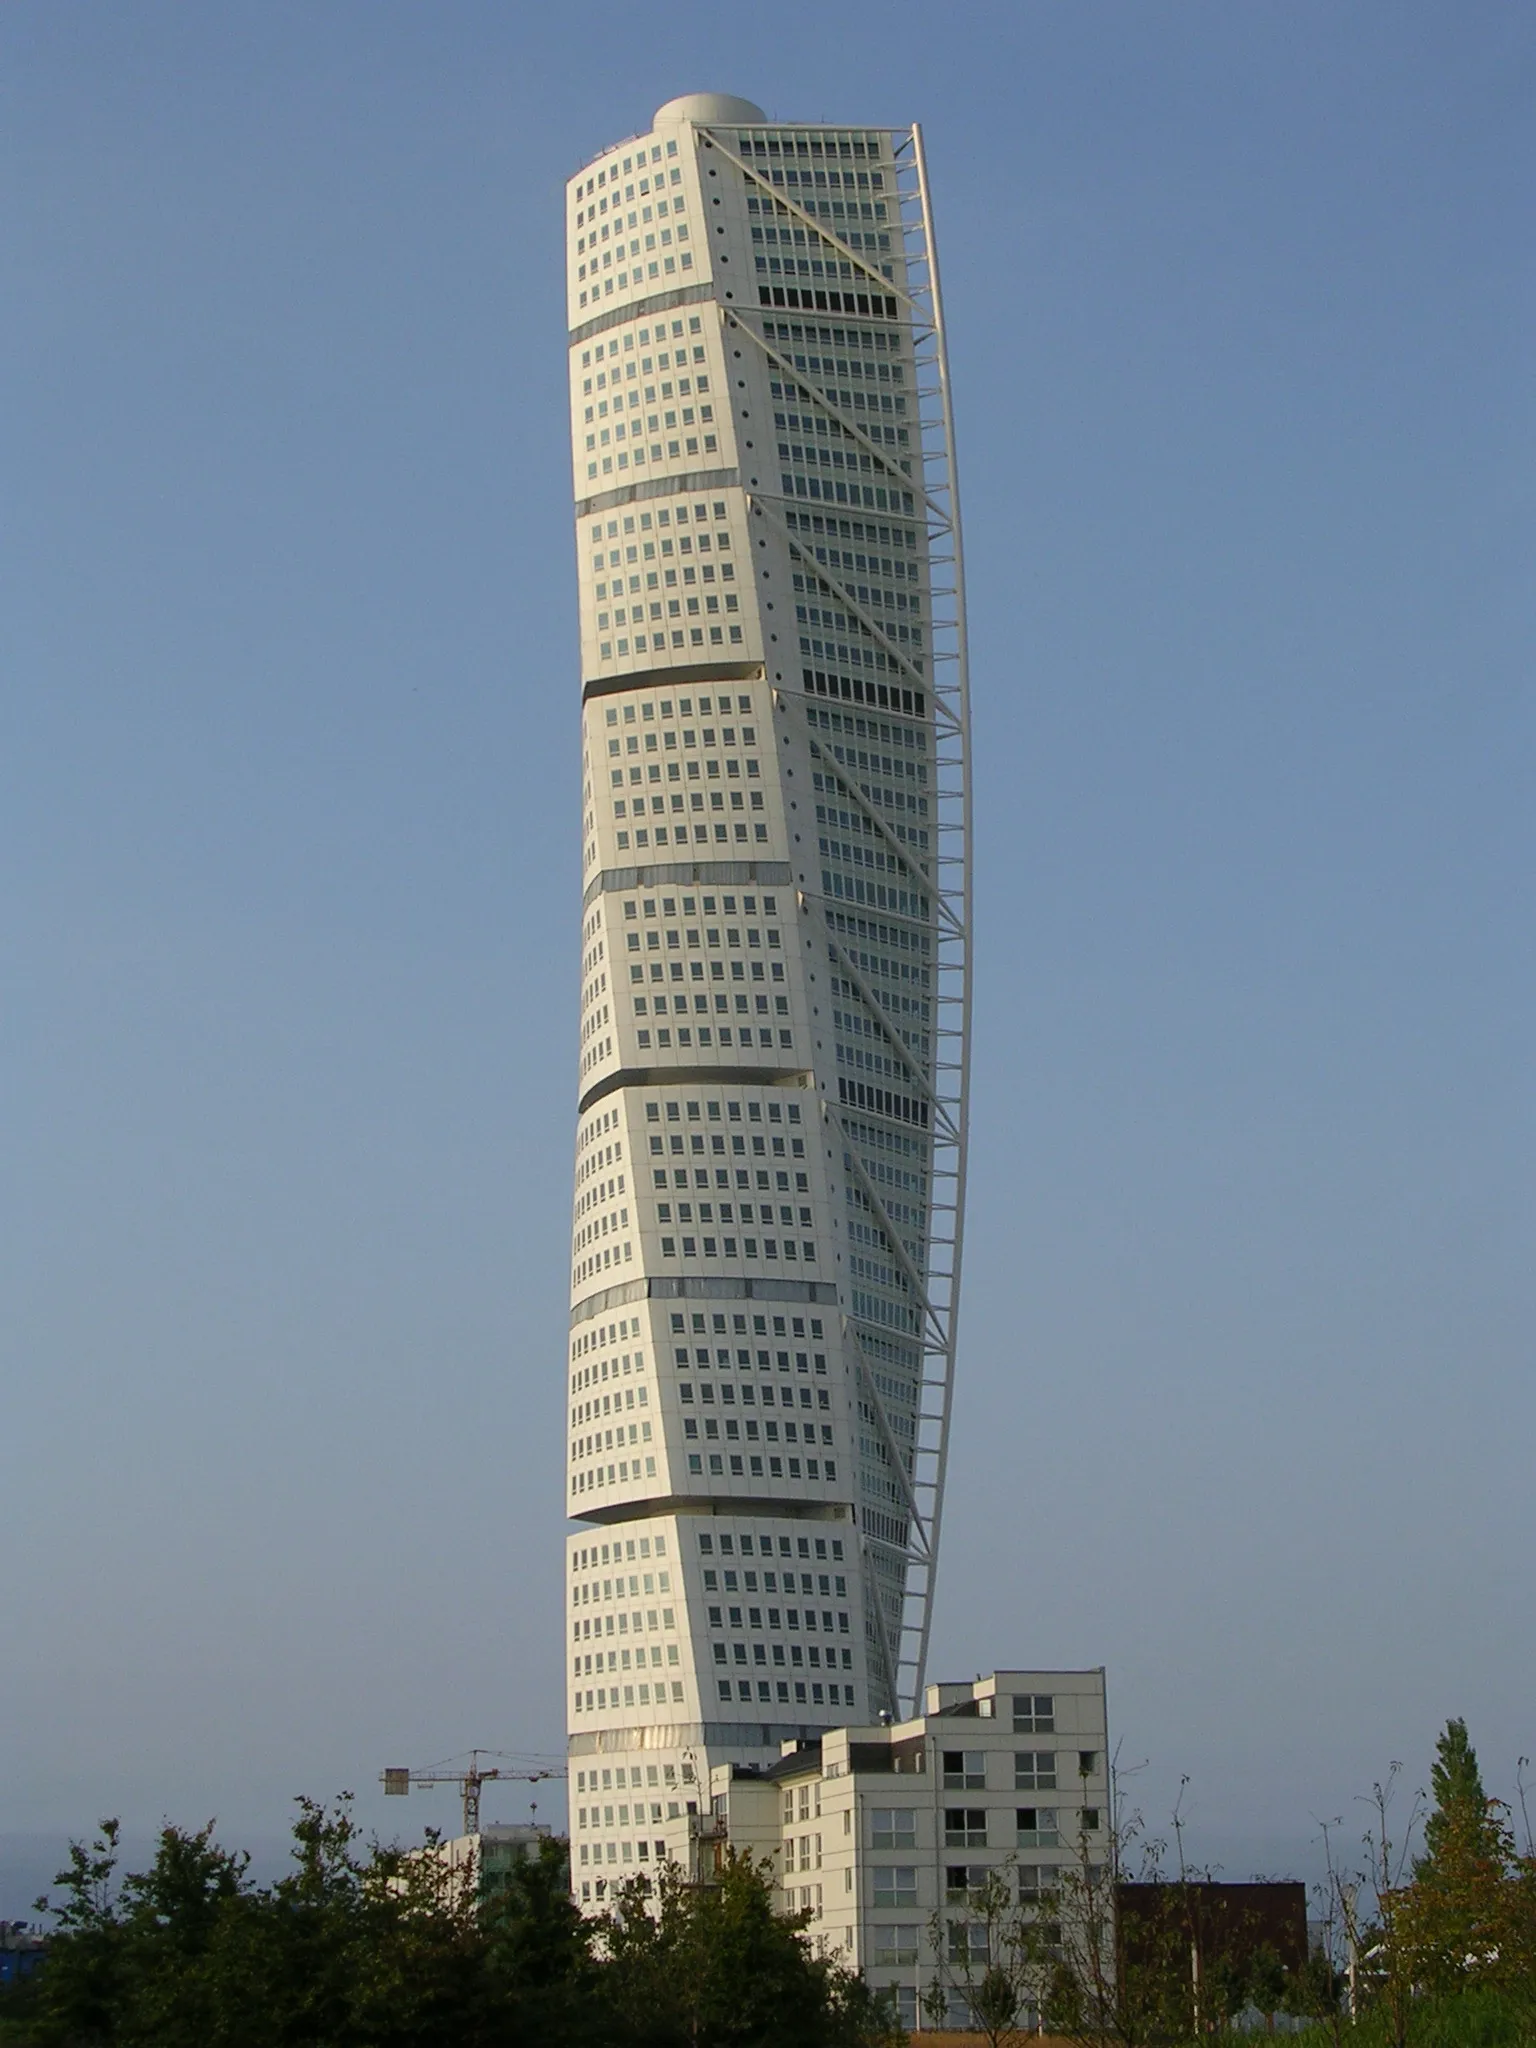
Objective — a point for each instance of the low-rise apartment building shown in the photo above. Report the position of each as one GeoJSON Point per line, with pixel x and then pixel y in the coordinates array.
{"type": "Point", "coordinates": [875, 1830]}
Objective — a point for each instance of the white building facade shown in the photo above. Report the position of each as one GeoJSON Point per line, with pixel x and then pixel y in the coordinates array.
{"type": "Point", "coordinates": [770, 1153]}
{"type": "Point", "coordinates": [877, 1832]}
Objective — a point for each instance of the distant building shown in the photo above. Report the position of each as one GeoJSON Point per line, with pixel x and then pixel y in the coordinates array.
{"type": "Point", "coordinates": [873, 1830]}
{"type": "Point", "coordinates": [22, 1950]}
{"type": "Point", "coordinates": [496, 1851]}
{"type": "Point", "coordinates": [1192, 1934]}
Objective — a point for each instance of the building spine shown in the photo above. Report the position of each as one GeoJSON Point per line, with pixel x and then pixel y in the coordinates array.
{"type": "Point", "coordinates": [776, 959]}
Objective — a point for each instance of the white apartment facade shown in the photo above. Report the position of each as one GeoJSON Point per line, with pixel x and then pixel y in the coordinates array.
{"type": "Point", "coordinates": [875, 1830]}
{"type": "Point", "coordinates": [775, 955]}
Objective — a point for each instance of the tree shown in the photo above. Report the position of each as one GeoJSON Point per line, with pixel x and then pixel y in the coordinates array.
{"type": "Point", "coordinates": [1461, 1805]}
{"type": "Point", "coordinates": [1469, 1914]}
{"type": "Point", "coordinates": [994, 1956]}
{"type": "Point", "coordinates": [1104, 1986]}
{"type": "Point", "coordinates": [714, 1966]}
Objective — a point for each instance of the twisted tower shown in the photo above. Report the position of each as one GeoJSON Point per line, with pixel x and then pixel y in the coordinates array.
{"type": "Point", "coordinates": [770, 1150]}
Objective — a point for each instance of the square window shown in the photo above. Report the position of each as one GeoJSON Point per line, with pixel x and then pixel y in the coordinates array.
{"type": "Point", "coordinates": [896, 1885]}
{"type": "Point", "coordinates": [965, 1827]}
{"type": "Point", "coordinates": [893, 1827]}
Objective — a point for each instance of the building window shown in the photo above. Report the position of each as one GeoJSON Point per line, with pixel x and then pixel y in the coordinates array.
{"type": "Point", "coordinates": [965, 1827]}
{"type": "Point", "coordinates": [1037, 1828]}
{"type": "Point", "coordinates": [965, 1770]}
{"type": "Point", "coordinates": [893, 1827]}
{"type": "Point", "coordinates": [896, 1946]}
{"type": "Point", "coordinates": [1034, 1713]}
{"type": "Point", "coordinates": [968, 1945]}
{"type": "Point", "coordinates": [1034, 1770]}
{"type": "Point", "coordinates": [896, 1885]}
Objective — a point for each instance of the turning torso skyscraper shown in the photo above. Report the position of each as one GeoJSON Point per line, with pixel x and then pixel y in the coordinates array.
{"type": "Point", "coordinates": [770, 1144]}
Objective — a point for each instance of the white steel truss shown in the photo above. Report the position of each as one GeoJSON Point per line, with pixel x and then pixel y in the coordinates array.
{"type": "Point", "coordinates": [933, 1282]}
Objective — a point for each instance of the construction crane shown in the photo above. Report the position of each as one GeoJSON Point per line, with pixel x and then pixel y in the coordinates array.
{"type": "Point", "coordinates": [398, 1783]}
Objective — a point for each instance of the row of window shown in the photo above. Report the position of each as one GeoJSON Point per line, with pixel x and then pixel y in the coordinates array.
{"type": "Point", "coordinates": [620, 1398]}
{"type": "Point", "coordinates": [792, 1326]}
{"type": "Point", "coordinates": [608, 1816]}
{"type": "Point", "coordinates": [662, 266]}
{"type": "Point", "coordinates": [654, 423]}
{"type": "Point", "coordinates": [691, 771]}
{"type": "Point", "coordinates": [594, 1130]}
{"type": "Point", "coordinates": [695, 637]}
{"type": "Point", "coordinates": [666, 579]}
{"type": "Point", "coordinates": [800, 1655]}
{"type": "Point", "coordinates": [664, 238]}
{"type": "Point", "coordinates": [786, 1217]}
{"type": "Point", "coordinates": [750, 1430]}
{"type": "Point", "coordinates": [625, 1473]}
{"type": "Point", "coordinates": [611, 1222]}
{"type": "Point", "coordinates": [600, 1049]}
{"type": "Point", "coordinates": [776, 149]}
{"type": "Point", "coordinates": [632, 1585]}
{"type": "Point", "coordinates": [705, 736]}
{"type": "Point", "coordinates": [896, 1886]}
{"type": "Point", "coordinates": [598, 1337]}
{"type": "Point", "coordinates": [604, 1817]}
{"type": "Point", "coordinates": [772, 1248]}
{"type": "Point", "coordinates": [624, 1621]}
{"type": "Point", "coordinates": [589, 1375]}
{"type": "Point", "coordinates": [608, 1699]}
{"type": "Point", "coordinates": [701, 833]}
{"type": "Point", "coordinates": [811, 1692]}
{"type": "Point", "coordinates": [809, 188]}
{"type": "Point", "coordinates": [610, 173]}
{"type": "Point", "coordinates": [587, 1557]}
{"type": "Point", "coordinates": [603, 1440]}
{"type": "Point", "coordinates": [746, 1360]}
{"type": "Point", "coordinates": [636, 1776]}
{"type": "Point", "coordinates": [777, 1113]}
{"type": "Point", "coordinates": [604, 1191]}
{"type": "Point", "coordinates": [966, 1769]}
{"type": "Point", "coordinates": [600, 1259]}
{"type": "Point", "coordinates": [618, 1852]}
{"type": "Point", "coordinates": [778, 1467]}
{"type": "Point", "coordinates": [707, 1038]}
{"type": "Point", "coordinates": [731, 1617]}
{"type": "Point", "coordinates": [656, 1004]}
{"type": "Point", "coordinates": [1037, 1827]}
{"type": "Point", "coordinates": [749, 1393]}
{"type": "Point", "coordinates": [666, 516]}
{"type": "Point", "coordinates": [661, 207]}
{"type": "Point", "coordinates": [672, 387]}
{"type": "Point", "coordinates": [625, 1659]}
{"type": "Point", "coordinates": [714, 603]}
{"type": "Point", "coordinates": [605, 1368]}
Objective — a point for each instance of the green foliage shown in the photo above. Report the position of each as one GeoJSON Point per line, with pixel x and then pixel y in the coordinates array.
{"type": "Point", "coordinates": [360, 1946]}
{"type": "Point", "coordinates": [1468, 1917]}
{"type": "Point", "coordinates": [1458, 1788]}
{"type": "Point", "coordinates": [1478, 2017]}
{"type": "Point", "coordinates": [717, 1966]}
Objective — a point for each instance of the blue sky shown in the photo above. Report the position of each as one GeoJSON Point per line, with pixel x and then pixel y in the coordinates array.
{"type": "Point", "coordinates": [1240, 302]}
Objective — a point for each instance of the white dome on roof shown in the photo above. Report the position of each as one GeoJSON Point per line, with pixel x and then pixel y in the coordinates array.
{"type": "Point", "coordinates": [710, 109]}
